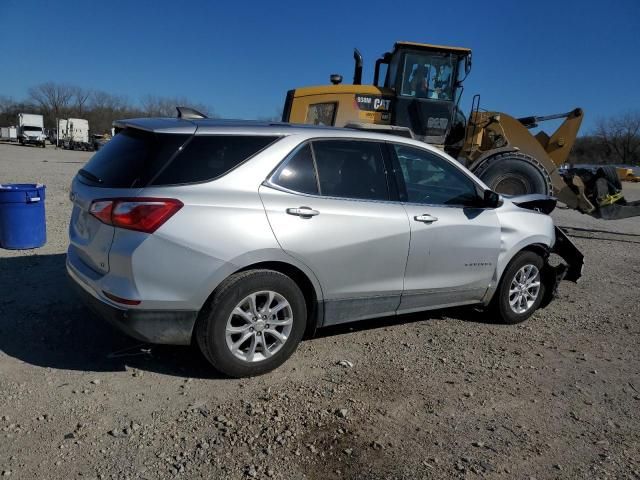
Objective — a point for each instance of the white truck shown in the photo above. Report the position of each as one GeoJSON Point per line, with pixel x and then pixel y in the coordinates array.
{"type": "Point", "coordinates": [73, 134]}
{"type": "Point", "coordinates": [31, 129]}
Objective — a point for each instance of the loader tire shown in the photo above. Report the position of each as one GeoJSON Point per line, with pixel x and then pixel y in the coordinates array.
{"type": "Point", "coordinates": [611, 174]}
{"type": "Point", "coordinates": [514, 173]}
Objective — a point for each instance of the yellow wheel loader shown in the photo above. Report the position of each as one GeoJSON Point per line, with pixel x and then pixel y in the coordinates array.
{"type": "Point", "coordinates": [416, 93]}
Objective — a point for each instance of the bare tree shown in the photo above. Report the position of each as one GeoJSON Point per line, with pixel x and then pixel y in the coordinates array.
{"type": "Point", "coordinates": [620, 136]}
{"type": "Point", "coordinates": [80, 98]}
{"type": "Point", "coordinates": [53, 98]}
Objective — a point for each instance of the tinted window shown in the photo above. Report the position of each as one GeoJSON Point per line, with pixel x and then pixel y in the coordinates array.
{"type": "Point", "coordinates": [130, 159]}
{"type": "Point", "coordinates": [351, 169]}
{"type": "Point", "coordinates": [298, 173]}
{"type": "Point", "coordinates": [206, 157]}
{"type": "Point", "coordinates": [433, 180]}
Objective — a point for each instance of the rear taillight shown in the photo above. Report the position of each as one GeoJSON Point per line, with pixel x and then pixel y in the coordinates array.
{"type": "Point", "coordinates": [141, 214]}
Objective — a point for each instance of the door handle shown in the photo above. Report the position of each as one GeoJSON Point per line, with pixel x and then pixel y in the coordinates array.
{"type": "Point", "coordinates": [425, 218]}
{"type": "Point", "coordinates": [304, 212]}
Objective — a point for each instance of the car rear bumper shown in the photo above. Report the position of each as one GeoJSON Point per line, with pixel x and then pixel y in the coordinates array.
{"type": "Point", "coordinates": [172, 327]}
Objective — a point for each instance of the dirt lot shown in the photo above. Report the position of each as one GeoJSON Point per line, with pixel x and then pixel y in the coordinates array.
{"type": "Point", "coordinates": [436, 395]}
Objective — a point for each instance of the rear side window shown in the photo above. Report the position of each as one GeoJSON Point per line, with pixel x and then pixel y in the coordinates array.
{"type": "Point", "coordinates": [298, 173]}
{"type": "Point", "coordinates": [351, 169]}
{"type": "Point", "coordinates": [207, 157]}
{"type": "Point", "coordinates": [131, 159]}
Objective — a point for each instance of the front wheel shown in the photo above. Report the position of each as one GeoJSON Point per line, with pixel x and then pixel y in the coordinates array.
{"type": "Point", "coordinates": [252, 324]}
{"type": "Point", "coordinates": [521, 289]}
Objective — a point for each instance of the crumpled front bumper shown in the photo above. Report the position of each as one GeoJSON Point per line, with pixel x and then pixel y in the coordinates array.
{"type": "Point", "coordinates": [566, 249]}
{"type": "Point", "coordinates": [571, 270]}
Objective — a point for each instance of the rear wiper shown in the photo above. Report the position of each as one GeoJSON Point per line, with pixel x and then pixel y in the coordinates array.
{"type": "Point", "coordinates": [89, 175]}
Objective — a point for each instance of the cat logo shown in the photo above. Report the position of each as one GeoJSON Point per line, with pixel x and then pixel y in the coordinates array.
{"type": "Point", "coordinates": [373, 103]}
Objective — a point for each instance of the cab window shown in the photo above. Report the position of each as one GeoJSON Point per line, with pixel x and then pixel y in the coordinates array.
{"type": "Point", "coordinates": [430, 179]}
{"type": "Point", "coordinates": [428, 75]}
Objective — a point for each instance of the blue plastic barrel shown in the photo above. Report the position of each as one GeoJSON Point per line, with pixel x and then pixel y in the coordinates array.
{"type": "Point", "coordinates": [22, 220]}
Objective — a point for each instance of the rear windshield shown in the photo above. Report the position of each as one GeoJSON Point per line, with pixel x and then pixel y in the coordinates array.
{"type": "Point", "coordinates": [131, 158]}
{"type": "Point", "coordinates": [135, 158]}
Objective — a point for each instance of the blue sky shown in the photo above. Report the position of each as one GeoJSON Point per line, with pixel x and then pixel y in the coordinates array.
{"type": "Point", "coordinates": [240, 57]}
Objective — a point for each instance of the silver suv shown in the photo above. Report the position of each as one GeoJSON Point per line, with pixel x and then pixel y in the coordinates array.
{"type": "Point", "coordinates": [242, 236]}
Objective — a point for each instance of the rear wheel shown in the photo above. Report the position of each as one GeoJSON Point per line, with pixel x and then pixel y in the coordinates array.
{"type": "Point", "coordinates": [252, 324]}
{"type": "Point", "coordinates": [521, 289]}
{"type": "Point", "coordinates": [514, 173]}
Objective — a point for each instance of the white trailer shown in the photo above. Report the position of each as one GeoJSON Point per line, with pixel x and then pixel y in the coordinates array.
{"type": "Point", "coordinates": [79, 130]}
{"type": "Point", "coordinates": [4, 133]}
{"type": "Point", "coordinates": [61, 132]}
{"type": "Point", "coordinates": [75, 134]}
{"type": "Point", "coordinates": [13, 134]}
{"type": "Point", "coordinates": [31, 129]}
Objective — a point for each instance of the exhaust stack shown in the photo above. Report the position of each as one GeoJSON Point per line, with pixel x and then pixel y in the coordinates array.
{"type": "Point", "coordinates": [357, 72]}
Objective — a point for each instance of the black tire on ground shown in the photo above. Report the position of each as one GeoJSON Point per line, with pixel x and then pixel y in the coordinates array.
{"type": "Point", "coordinates": [210, 331]}
{"type": "Point", "coordinates": [500, 309]}
{"type": "Point", "coordinates": [611, 174]}
{"type": "Point", "coordinates": [514, 173]}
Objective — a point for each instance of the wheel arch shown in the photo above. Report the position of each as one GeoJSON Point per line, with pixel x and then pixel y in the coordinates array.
{"type": "Point", "coordinates": [306, 280]}
{"type": "Point", "coordinates": [536, 246]}
{"type": "Point", "coordinates": [312, 297]}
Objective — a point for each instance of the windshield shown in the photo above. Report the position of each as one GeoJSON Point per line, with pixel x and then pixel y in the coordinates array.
{"type": "Point", "coordinates": [428, 75]}
{"type": "Point", "coordinates": [32, 129]}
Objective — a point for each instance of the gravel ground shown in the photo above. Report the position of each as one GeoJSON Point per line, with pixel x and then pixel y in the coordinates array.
{"type": "Point", "coordinates": [434, 395]}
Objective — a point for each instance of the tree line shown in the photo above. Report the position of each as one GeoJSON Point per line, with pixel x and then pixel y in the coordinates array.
{"type": "Point", "coordinates": [614, 140]}
{"type": "Point", "coordinates": [53, 100]}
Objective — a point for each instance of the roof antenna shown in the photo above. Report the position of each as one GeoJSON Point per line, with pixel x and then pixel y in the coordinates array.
{"type": "Point", "coordinates": [189, 113]}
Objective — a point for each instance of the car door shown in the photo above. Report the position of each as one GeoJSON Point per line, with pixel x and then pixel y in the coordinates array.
{"type": "Point", "coordinates": [328, 205]}
{"type": "Point", "coordinates": [455, 240]}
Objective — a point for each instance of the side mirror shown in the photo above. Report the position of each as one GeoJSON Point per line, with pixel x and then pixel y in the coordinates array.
{"type": "Point", "coordinates": [491, 199]}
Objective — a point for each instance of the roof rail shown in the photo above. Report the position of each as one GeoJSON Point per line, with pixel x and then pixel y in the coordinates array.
{"type": "Point", "coordinates": [189, 113]}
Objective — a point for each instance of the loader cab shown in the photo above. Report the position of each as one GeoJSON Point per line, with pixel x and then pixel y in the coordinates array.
{"type": "Point", "coordinates": [427, 85]}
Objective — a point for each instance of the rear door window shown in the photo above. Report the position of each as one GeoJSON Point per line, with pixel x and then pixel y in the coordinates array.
{"type": "Point", "coordinates": [298, 172]}
{"type": "Point", "coordinates": [207, 157]}
{"type": "Point", "coordinates": [351, 169]}
{"type": "Point", "coordinates": [131, 159]}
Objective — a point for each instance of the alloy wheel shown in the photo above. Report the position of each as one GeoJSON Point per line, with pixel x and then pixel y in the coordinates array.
{"type": "Point", "coordinates": [259, 326]}
{"type": "Point", "coordinates": [524, 289]}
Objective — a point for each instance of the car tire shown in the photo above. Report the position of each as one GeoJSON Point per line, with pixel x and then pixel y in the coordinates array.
{"type": "Point", "coordinates": [514, 173]}
{"type": "Point", "coordinates": [217, 329]}
{"type": "Point", "coordinates": [512, 302]}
